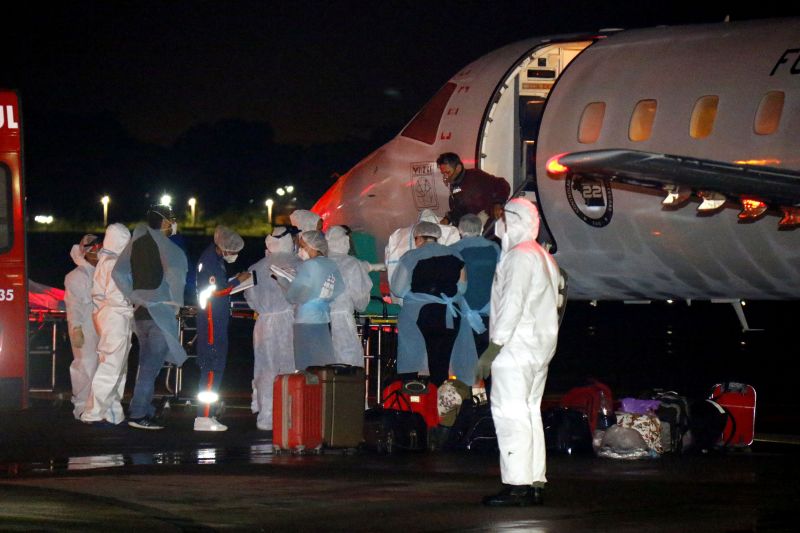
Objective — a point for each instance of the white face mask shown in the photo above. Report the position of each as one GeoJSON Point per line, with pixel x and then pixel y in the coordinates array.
{"type": "Point", "coordinates": [230, 258]}
{"type": "Point", "coordinates": [173, 228]}
{"type": "Point", "coordinates": [303, 255]}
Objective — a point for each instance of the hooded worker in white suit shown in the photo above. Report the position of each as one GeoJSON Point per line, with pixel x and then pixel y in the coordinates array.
{"type": "Point", "coordinates": [347, 347]}
{"type": "Point", "coordinates": [113, 318]}
{"type": "Point", "coordinates": [523, 330]}
{"type": "Point", "coordinates": [82, 335]}
{"type": "Point", "coordinates": [273, 334]}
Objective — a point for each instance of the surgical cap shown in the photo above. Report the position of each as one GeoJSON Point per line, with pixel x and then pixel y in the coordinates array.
{"type": "Point", "coordinates": [338, 240]}
{"type": "Point", "coordinates": [227, 239]}
{"type": "Point", "coordinates": [280, 242]}
{"type": "Point", "coordinates": [427, 229]}
{"type": "Point", "coordinates": [470, 225]}
{"type": "Point", "coordinates": [316, 240]}
{"type": "Point", "coordinates": [304, 220]}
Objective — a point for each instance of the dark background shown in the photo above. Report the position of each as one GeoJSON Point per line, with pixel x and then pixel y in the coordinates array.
{"type": "Point", "coordinates": [227, 100]}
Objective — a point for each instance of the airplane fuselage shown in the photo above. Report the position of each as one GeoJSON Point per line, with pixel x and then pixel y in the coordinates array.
{"type": "Point", "coordinates": [725, 92]}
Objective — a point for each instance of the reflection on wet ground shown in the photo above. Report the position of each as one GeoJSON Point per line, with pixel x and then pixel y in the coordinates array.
{"type": "Point", "coordinates": [59, 475]}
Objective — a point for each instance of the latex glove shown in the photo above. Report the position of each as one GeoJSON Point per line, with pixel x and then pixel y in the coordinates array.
{"type": "Point", "coordinates": [484, 366]}
{"type": "Point", "coordinates": [76, 337]}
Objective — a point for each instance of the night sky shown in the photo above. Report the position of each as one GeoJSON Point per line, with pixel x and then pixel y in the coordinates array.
{"type": "Point", "coordinates": [134, 98]}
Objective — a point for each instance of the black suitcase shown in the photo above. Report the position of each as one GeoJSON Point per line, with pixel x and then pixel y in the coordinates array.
{"type": "Point", "coordinates": [473, 429]}
{"type": "Point", "coordinates": [566, 431]}
{"type": "Point", "coordinates": [389, 430]}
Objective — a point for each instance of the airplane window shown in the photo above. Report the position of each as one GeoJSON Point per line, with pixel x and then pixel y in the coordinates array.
{"type": "Point", "coordinates": [425, 125]}
{"type": "Point", "coordinates": [768, 116]}
{"type": "Point", "coordinates": [703, 116]}
{"type": "Point", "coordinates": [591, 122]}
{"type": "Point", "coordinates": [644, 114]}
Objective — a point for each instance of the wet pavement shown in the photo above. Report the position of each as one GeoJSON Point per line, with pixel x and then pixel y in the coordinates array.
{"type": "Point", "coordinates": [57, 474]}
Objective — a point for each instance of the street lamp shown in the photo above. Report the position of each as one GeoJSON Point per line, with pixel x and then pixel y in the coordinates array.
{"type": "Point", "coordinates": [104, 200]}
{"type": "Point", "coordinates": [280, 191]}
{"type": "Point", "coordinates": [166, 200]}
{"type": "Point", "coordinates": [192, 204]}
{"type": "Point", "coordinates": [289, 189]}
{"type": "Point", "coordinates": [269, 203]}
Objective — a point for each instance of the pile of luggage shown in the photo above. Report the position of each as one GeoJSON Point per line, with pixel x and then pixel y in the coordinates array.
{"type": "Point", "coordinates": [324, 407]}
{"type": "Point", "coordinates": [588, 419]}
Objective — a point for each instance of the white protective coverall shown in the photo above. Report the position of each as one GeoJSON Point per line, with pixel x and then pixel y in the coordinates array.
{"type": "Point", "coordinates": [347, 347]}
{"type": "Point", "coordinates": [402, 240]}
{"type": "Point", "coordinates": [524, 321]}
{"type": "Point", "coordinates": [113, 317]}
{"type": "Point", "coordinates": [273, 334]}
{"type": "Point", "coordinates": [82, 335]}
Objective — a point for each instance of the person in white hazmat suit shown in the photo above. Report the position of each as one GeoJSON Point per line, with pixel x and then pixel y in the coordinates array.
{"type": "Point", "coordinates": [402, 240]}
{"type": "Point", "coordinates": [82, 335]}
{"type": "Point", "coordinates": [347, 347]}
{"type": "Point", "coordinates": [273, 334]}
{"type": "Point", "coordinates": [113, 316]}
{"type": "Point", "coordinates": [523, 329]}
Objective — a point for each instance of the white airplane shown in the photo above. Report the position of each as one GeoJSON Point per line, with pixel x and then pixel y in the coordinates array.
{"type": "Point", "coordinates": [665, 161]}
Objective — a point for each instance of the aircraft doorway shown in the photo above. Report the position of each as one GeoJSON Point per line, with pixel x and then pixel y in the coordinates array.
{"type": "Point", "coordinates": [510, 128]}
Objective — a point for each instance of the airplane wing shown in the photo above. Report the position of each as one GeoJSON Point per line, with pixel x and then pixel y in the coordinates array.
{"type": "Point", "coordinates": [775, 186]}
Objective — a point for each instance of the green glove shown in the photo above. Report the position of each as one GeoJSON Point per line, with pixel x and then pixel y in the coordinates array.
{"type": "Point", "coordinates": [484, 366]}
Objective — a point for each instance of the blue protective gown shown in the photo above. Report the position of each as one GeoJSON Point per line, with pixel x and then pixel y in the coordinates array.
{"type": "Point", "coordinates": [317, 283]}
{"type": "Point", "coordinates": [212, 322]}
{"type": "Point", "coordinates": [412, 355]}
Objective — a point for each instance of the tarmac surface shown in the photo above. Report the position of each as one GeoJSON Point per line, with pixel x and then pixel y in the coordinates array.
{"type": "Point", "coordinates": [57, 474]}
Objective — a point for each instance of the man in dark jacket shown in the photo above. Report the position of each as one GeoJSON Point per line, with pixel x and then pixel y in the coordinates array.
{"type": "Point", "coordinates": [471, 190]}
{"type": "Point", "coordinates": [151, 272]}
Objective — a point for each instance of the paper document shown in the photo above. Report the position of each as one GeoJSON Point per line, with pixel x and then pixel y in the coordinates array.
{"type": "Point", "coordinates": [287, 273]}
{"type": "Point", "coordinates": [246, 284]}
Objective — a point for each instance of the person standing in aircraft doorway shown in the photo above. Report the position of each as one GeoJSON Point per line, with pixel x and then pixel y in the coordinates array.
{"type": "Point", "coordinates": [471, 191]}
{"type": "Point", "coordinates": [523, 328]}
{"type": "Point", "coordinates": [214, 314]}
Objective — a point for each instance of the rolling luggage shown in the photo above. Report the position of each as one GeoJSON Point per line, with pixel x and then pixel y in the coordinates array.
{"type": "Point", "coordinates": [342, 404]}
{"type": "Point", "coordinates": [415, 395]}
{"type": "Point", "coordinates": [391, 430]}
{"type": "Point", "coordinates": [673, 411]}
{"type": "Point", "coordinates": [739, 400]}
{"type": "Point", "coordinates": [297, 412]}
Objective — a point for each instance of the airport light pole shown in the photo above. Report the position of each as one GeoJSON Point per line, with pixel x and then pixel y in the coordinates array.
{"type": "Point", "coordinates": [104, 200]}
{"type": "Point", "coordinates": [192, 204]}
{"type": "Point", "coordinates": [166, 200]}
{"type": "Point", "coordinates": [269, 203]}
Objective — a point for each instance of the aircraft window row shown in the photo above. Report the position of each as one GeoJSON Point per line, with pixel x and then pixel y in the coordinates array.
{"type": "Point", "coordinates": [701, 124]}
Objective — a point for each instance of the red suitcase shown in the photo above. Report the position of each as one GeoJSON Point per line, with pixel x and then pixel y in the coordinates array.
{"type": "Point", "coordinates": [739, 400]}
{"type": "Point", "coordinates": [297, 412]}
{"type": "Point", "coordinates": [413, 395]}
